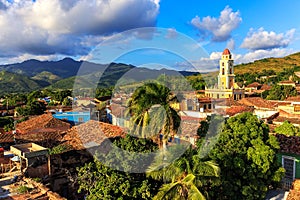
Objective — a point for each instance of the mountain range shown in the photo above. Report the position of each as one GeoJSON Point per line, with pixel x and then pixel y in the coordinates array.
{"type": "Point", "coordinates": [33, 74]}
{"type": "Point", "coordinates": [64, 74]}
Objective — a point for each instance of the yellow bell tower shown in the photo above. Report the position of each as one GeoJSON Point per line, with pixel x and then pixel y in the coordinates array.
{"type": "Point", "coordinates": [226, 88]}
{"type": "Point", "coordinates": [226, 76]}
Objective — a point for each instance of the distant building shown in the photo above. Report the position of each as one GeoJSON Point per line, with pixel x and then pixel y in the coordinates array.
{"type": "Point", "coordinates": [73, 117]}
{"type": "Point", "coordinates": [226, 88]}
{"type": "Point", "coordinates": [290, 83]}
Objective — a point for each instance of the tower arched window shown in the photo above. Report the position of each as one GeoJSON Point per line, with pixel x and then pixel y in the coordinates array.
{"type": "Point", "coordinates": [230, 70]}
{"type": "Point", "coordinates": [223, 71]}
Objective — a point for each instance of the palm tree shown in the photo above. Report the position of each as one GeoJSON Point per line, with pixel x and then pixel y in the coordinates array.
{"type": "Point", "coordinates": [151, 112]}
{"type": "Point", "coordinates": [186, 178]}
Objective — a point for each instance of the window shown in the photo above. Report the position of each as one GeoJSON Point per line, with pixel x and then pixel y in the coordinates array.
{"type": "Point", "coordinates": [230, 70]}
{"type": "Point", "coordinates": [209, 106]}
{"type": "Point", "coordinates": [223, 64]}
{"type": "Point", "coordinates": [229, 56]}
{"type": "Point", "coordinates": [218, 96]}
{"type": "Point", "coordinates": [80, 119]}
{"type": "Point", "coordinates": [223, 71]}
{"type": "Point", "coordinates": [288, 164]}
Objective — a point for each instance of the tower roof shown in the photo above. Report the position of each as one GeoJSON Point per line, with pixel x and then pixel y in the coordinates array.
{"type": "Point", "coordinates": [226, 52]}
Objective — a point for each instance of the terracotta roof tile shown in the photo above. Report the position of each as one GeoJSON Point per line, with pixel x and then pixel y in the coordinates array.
{"type": "Point", "coordinates": [295, 99]}
{"type": "Point", "coordinates": [289, 144]}
{"type": "Point", "coordinates": [42, 123]}
{"type": "Point", "coordinates": [226, 52]}
{"type": "Point", "coordinates": [257, 102]}
{"type": "Point", "coordinates": [291, 120]}
{"type": "Point", "coordinates": [254, 84]}
{"type": "Point", "coordinates": [265, 87]}
{"type": "Point", "coordinates": [294, 193]}
{"type": "Point", "coordinates": [228, 102]}
{"type": "Point", "coordinates": [6, 138]}
{"type": "Point", "coordinates": [91, 133]}
{"type": "Point", "coordinates": [238, 109]}
{"type": "Point", "coordinates": [287, 82]}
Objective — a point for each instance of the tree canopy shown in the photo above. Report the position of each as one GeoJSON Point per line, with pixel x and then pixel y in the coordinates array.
{"type": "Point", "coordinates": [151, 112]}
{"type": "Point", "coordinates": [288, 129]}
{"type": "Point", "coordinates": [102, 182]}
{"type": "Point", "coordinates": [246, 154]}
{"type": "Point", "coordinates": [281, 92]}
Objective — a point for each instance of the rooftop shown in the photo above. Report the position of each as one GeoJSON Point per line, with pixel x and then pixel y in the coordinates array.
{"type": "Point", "coordinates": [42, 123]}
{"type": "Point", "coordinates": [289, 144]}
{"type": "Point", "coordinates": [226, 52]}
{"type": "Point", "coordinates": [91, 133]}
{"type": "Point", "coordinates": [257, 102]}
{"type": "Point", "coordinates": [254, 84]}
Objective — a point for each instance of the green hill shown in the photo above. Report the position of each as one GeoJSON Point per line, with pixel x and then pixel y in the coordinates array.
{"type": "Point", "coordinates": [11, 82]}
{"type": "Point", "coordinates": [46, 78]}
{"type": "Point", "coordinates": [276, 64]}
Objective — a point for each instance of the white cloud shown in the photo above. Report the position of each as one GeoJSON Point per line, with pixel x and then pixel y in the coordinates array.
{"type": "Point", "coordinates": [221, 27]}
{"type": "Point", "coordinates": [230, 44]}
{"type": "Point", "coordinates": [68, 27]}
{"type": "Point", "coordinates": [260, 54]}
{"type": "Point", "coordinates": [262, 39]}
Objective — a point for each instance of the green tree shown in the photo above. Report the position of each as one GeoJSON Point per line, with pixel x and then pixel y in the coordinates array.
{"type": "Point", "coordinates": [61, 95]}
{"type": "Point", "coordinates": [67, 102]}
{"type": "Point", "coordinates": [246, 154]}
{"type": "Point", "coordinates": [32, 107]}
{"type": "Point", "coordinates": [151, 112]}
{"type": "Point", "coordinates": [281, 92]}
{"type": "Point", "coordinates": [101, 182]}
{"type": "Point", "coordinates": [189, 177]}
{"type": "Point", "coordinates": [288, 129]}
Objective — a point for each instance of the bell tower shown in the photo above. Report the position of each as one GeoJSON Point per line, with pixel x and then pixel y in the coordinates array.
{"type": "Point", "coordinates": [226, 76]}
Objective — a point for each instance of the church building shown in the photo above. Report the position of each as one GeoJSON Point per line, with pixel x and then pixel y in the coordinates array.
{"type": "Point", "coordinates": [226, 88]}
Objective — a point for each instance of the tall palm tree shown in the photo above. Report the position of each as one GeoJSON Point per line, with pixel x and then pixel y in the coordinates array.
{"type": "Point", "coordinates": [186, 178]}
{"type": "Point", "coordinates": [151, 113]}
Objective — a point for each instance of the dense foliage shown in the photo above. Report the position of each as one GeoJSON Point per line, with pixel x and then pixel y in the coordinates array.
{"type": "Point", "coordinates": [102, 182]}
{"type": "Point", "coordinates": [188, 177]}
{"type": "Point", "coordinates": [281, 92]}
{"type": "Point", "coordinates": [246, 154]}
{"type": "Point", "coordinates": [288, 129]}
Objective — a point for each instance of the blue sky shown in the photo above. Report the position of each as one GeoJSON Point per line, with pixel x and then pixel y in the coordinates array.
{"type": "Point", "coordinates": [53, 29]}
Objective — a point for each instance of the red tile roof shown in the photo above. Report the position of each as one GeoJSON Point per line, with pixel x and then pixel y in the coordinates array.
{"type": "Point", "coordinates": [117, 110]}
{"type": "Point", "coordinates": [91, 133]}
{"type": "Point", "coordinates": [254, 84]}
{"type": "Point", "coordinates": [289, 144]}
{"type": "Point", "coordinates": [228, 102]}
{"type": "Point", "coordinates": [295, 99]}
{"type": "Point", "coordinates": [291, 120]}
{"type": "Point", "coordinates": [43, 123]}
{"type": "Point", "coordinates": [226, 52]}
{"type": "Point", "coordinates": [265, 87]}
{"type": "Point", "coordinates": [294, 193]}
{"type": "Point", "coordinates": [287, 82]}
{"type": "Point", "coordinates": [238, 109]}
{"type": "Point", "coordinates": [257, 102]}
{"type": "Point", "coordinates": [6, 138]}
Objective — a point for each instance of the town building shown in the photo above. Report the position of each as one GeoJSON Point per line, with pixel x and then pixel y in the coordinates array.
{"type": "Point", "coordinates": [227, 87]}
